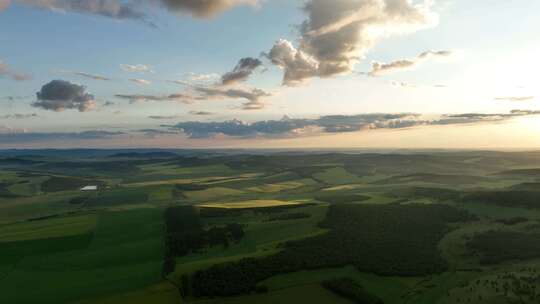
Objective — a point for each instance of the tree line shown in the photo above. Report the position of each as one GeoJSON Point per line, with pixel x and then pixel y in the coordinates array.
{"type": "Point", "coordinates": [393, 240]}
{"type": "Point", "coordinates": [185, 234]}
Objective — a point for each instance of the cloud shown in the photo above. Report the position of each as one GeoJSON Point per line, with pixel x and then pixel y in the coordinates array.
{"type": "Point", "coordinates": [204, 8]}
{"type": "Point", "coordinates": [134, 98]}
{"type": "Point", "coordinates": [197, 129]}
{"type": "Point", "coordinates": [4, 4]}
{"type": "Point", "coordinates": [286, 126]}
{"type": "Point", "coordinates": [165, 117]}
{"type": "Point", "coordinates": [60, 95]}
{"type": "Point", "coordinates": [202, 77]}
{"type": "Point", "coordinates": [197, 79]}
{"type": "Point", "coordinates": [18, 116]}
{"type": "Point", "coordinates": [134, 9]}
{"type": "Point", "coordinates": [140, 81]}
{"type": "Point", "coordinates": [241, 71]}
{"type": "Point", "coordinates": [430, 54]}
{"type": "Point", "coordinates": [335, 124]}
{"type": "Point", "coordinates": [85, 75]}
{"type": "Point", "coordinates": [194, 79]}
{"type": "Point", "coordinates": [116, 9]}
{"type": "Point", "coordinates": [23, 136]}
{"type": "Point", "coordinates": [204, 93]}
{"type": "Point", "coordinates": [252, 95]}
{"type": "Point", "coordinates": [253, 105]}
{"type": "Point", "coordinates": [352, 123]}
{"type": "Point", "coordinates": [200, 113]}
{"type": "Point", "coordinates": [515, 98]}
{"type": "Point", "coordinates": [91, 76]}
{"type": "Point", "coordinates": [403, 84]}
{"type": "Point", "coordinates": [525, 112]}
{"type": "Point", "coordinates": [156, 132]}
{"type": "Point", "coordinates": [136, 68]}
{"type": "Point", "coordinates": [5, 70]}
{"type": "Point", "coordinates": [482, 117]}
{"type": "Point", "coordinates": [296, 64]}
{"type": "Point", "coordinates": [378, 68]}
{"type": "Point", "coordinates": [338, 33]}
{"type": "Point", "coordinates": [228, 87]}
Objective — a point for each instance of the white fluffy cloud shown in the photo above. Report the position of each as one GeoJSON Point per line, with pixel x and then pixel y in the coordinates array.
{"type": "Point", "coordinates": [338, 33]}
{"type": "Point", "coordinates": [296, 64]}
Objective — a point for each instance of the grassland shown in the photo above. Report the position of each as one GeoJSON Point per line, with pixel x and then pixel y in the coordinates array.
{"type": "Point", "coordinates": [314, 293]}
{"type": "Point", "coordinates": [123, 252]}
{"type": "Point", "coordinates": [52, 228]}
{"type": "Point", "coordinates": [250, 204]}
{"type": "Point", "coordinates": [211, 193]}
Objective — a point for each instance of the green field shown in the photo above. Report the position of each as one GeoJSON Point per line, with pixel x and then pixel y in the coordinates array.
{"type": "Point", "coordinates": [60, 245]}
{"type": "Point", "coordinates": [123, 252]}
{"type": "Point", "coordinates": [249, 204]}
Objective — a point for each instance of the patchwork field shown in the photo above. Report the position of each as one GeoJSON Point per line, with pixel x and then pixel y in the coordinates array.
{"type": "Point", "coordinates": [448, 227]}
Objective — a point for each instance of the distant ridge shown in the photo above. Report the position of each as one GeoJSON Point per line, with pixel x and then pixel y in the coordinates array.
{"type": "Point", "coordinates": [157, 154]}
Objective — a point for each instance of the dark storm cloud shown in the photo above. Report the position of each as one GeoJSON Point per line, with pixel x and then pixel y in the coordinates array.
{"type": "Point", "coordinates": [241, 71]}
{"type": "Point", "coordinates": [204, 8]}
{"type": "Point", "coordinates": [60, 95]}
{"type": "Point", "coordinates": [335, 124]}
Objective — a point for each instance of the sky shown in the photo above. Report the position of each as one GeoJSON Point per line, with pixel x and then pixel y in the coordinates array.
{"type": "Point", "coordinates": [269, 74]}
